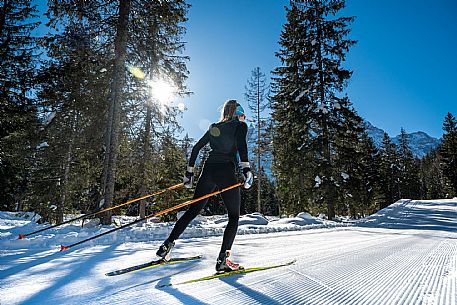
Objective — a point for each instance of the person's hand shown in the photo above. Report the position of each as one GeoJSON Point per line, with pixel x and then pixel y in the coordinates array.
{"type": "Point", "coordinates": [188, 179]}
{"type": "Point", "coordinates": [248, 177]}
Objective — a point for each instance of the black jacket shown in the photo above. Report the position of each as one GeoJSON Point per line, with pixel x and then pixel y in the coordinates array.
{"type": "Point", "coordinates": [225, 139]}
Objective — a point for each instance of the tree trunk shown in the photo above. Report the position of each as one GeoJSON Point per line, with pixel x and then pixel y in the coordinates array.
{"type": "Point", "coordinates": [328, 187]}
{"type": "Point", "coordinates": [146, 158]}
{"type": "Point", "coordinates": [3, 11]}
{"type": "Point", "coordinates": [66, 174]}
{"type": "Point", "coordinates": [63, 193]}
{"type": "Point", "coordinates": [112, 138]}
{"type": "Point", "coordinates": [259, 204]}
{"type": "Point", "coordinates": [154, 60]}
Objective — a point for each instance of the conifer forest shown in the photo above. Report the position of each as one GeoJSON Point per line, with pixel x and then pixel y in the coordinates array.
{"type": "Point", "coordinates": [83, 125]}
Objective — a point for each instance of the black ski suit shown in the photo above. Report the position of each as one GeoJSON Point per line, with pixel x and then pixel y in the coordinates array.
{"type": "Point", "coordinates": [226, 139]}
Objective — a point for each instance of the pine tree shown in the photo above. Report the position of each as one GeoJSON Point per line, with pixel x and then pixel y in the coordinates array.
{"type": "Point", "coordinates": [257, 94]}
{"type": "Point", "coordinates": [156, 47]}
{"type": "Point", "coordinates": [75, 104]}
{"type": "Point", "coordinates": [448, 152]}
{"type": "Point", "coordinates": [115, 104]}
{"type": "Point", "coordinates": [389, 171]}
{"type": "Point", "coordinates": [369, 184]}
{"type": "Point", "coordinates": [433, 184]}
{"type": "Point", "coordinates": [143, 36]}
{"type": "Point", "coordinates": [307, 108]}
{"type": "Point", "coordinates": [409, 174]}
{"type": "Point", "coordinates": [269, 202]}
{"type": "Point", "coordinates": [18, 114]}
{"type": "Point", "coordinates": [359, 173]}
{"type": "Point", "coordinates": [88, 47]}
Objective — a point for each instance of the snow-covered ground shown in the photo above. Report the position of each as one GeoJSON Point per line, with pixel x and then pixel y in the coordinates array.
{"type": "Point", "coordinates": [404, 254]}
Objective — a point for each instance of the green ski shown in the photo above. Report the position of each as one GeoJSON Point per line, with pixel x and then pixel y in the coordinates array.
{"type": "Point", "coordinates": [219, 275]}
{"type": "Point", "coordinates": [153, 264]}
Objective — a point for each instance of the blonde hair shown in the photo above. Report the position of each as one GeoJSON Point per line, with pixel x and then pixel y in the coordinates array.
{"type": "Point", "coordinates": [228, 110]}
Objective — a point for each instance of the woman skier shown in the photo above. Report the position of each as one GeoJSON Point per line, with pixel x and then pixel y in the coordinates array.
{"type": "Point", "coordinates": [226, 138]}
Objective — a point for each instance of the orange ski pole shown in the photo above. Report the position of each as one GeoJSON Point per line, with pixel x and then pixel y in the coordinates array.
{"type": "Point", "coordinates": [186, 203]}
{"type": "Point", "coordinates": [22, 236]}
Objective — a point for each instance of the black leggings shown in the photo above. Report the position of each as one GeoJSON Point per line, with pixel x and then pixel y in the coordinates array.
{"type": "Point", "coordinates": [214, 176]}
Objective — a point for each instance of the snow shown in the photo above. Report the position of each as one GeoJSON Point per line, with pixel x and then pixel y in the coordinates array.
{"type": "Point", "coordinates": [42, 145]}
{"type": "Point", "coordinates": [201, 226]}
{"type": "Point", "coordinates": [301, 95]}
{"type": "Point", "coordinates": [404, 254]}
{"type": "Point", "coordinates": [49, 118]}
{"type": "Point", "coordinates": [345, 176]}
{"type": "Point", "coordinates": [322, 108]}
{"type": "Point", "coordinates": [318, 181]}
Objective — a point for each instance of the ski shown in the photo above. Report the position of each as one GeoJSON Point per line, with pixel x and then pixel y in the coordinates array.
{"type": "Point", "coordinates": [153, 264]}
{"type": "Point", "coordinates": [219, 275]}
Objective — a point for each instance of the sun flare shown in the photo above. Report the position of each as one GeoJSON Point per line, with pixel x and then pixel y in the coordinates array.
{"type": "Point", "coordinates": [163, 91]}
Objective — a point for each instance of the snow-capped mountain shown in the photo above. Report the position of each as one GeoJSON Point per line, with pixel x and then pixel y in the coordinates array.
{"type": "Point", "coordinates": [375, 133]}
{"type": "Point", "coordinates": [419, 142]}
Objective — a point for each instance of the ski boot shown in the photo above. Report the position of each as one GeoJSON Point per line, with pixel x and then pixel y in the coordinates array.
{"type": "Point", "coordinates": [165, 250]}
{"type": "Point", "coordinates": [224, 264]}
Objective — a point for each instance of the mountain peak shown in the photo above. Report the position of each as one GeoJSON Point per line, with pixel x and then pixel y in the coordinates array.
{"type": "Point", "coordinates": [420, 142]}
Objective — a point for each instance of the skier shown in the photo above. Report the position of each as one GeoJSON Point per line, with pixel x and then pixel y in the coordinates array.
{"type": "Point", "coordinates": [226, 138]}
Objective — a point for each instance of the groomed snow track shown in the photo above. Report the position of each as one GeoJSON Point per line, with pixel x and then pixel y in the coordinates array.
{"type": "Point", "coordinates": [404, 254]}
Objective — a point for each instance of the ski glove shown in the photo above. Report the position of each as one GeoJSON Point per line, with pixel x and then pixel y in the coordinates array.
{"type": "Point", "coordinates": [248, 177]}
{"type": "Point", "coordinates": [188, 179]}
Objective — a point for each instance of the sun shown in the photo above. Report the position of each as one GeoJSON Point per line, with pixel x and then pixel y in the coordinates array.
{"type": "Point", "coordinates": [163, 91]}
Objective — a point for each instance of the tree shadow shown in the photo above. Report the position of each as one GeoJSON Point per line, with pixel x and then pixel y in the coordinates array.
{"type": "Point", "coordinates": [80, 268]}
{"type": "Point", "coordinates": [231, 281]}
{"type": "Point", "coordinates": [27, 260]}
{"type": "Point", "coordinates": [252, 293]}
{"type": "Point", "coordinates": [176, 293]}
{"type": "Point", "coordinates": [182, 297]}
{"type": "Point", "coordinates": [162, 277]}
{"type": "Point", "coordinates": [170, 271]}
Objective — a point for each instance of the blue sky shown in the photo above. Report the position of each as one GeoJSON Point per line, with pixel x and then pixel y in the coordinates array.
{"type": "Point", "coordinates": [404, 63]}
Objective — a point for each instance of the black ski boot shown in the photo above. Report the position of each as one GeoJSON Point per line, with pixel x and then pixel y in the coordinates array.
{"type": "Point", "coordinates": [165, 249]}
{"type": "Point", "coordinates": [224, 264]}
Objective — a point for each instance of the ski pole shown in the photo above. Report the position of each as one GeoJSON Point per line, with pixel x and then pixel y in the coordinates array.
{"type": "Point", "coordinates": [189, 202]}
{"type": "Point", "coordinates": [22, 236]}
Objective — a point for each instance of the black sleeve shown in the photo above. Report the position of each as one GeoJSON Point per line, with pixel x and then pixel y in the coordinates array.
{"type": "Point", "coordinates": [196, 149]}
{"type": "Point", "coordinates": [241, 141]}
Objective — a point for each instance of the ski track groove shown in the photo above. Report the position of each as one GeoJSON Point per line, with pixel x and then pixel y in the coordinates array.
{"type": "Point", "coordinates": [314, 285]}
{"type": "Point", "coordinates": [383, 288]}
{"type": "Point", "coordinates": [380, 291]}
{"type": "Point", "coordinates": [395, 290]}
{"type": "Point", "coordinates": [301, 255]}
{"type": "Point", "coordinates": [236, 284]}
{"type": "Point", "coordinates": [429, 271]}
{"type": "Point", "coordinates": [395, 263]}
{"type": "Point", "coordinates": [259, 288]}
{"type": "Point", "coordinates": [453, 282]}
{"type": "Point", "coordinates": [350, 289]}
{"type": "Point", "coordinates": [384, 285]}
{"type": "Point", "coordinates": [404, 280]}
